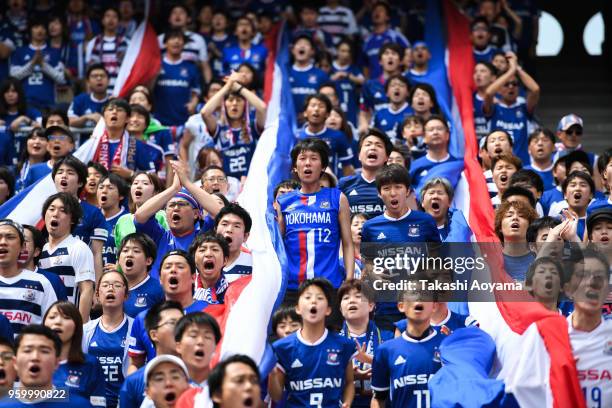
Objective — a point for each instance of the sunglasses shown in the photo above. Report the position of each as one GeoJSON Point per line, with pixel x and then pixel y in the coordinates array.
{"type": "Point", "coordinates": [574, 132]}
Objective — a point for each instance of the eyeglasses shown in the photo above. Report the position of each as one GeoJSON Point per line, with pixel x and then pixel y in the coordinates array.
{"type": "Point", "coordinates": [435, 128]}
{"type": "Point", "coordinates": [6, 356]}
{"type": "Point", "coordinates": [511, 83]}
{"type": "Point", "coordinates": [59, 138]}
{"type": "Point", "coordinates": [114, 285]}
{"type": "Point", "coordinates": [178, 204]}
{"type": "Point", "coordinates": [220, 179]}
{"type": "Point", "coordinates": [170, 322]}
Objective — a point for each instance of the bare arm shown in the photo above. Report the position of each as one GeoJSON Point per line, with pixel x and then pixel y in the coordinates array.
{"type": "Point", "coordinates": [184, 145]}
{"type": "Point", "coordinates": [207, 201]}
{"type": "Point", "coordinates": [533, 94]}
{"type": "Point", "coordinates": [209, 108]}
{"type": "Point", "coordinates": [498, 83]}
{"type": "Point", "coordinates": [276, 384]}
{"type": "Point", "coordinates": [86, 290]}
{"type": "Point", "coordinates": [156, 203]}
{"type": "Point", "coordinates": [97, 246]}
{"type": "Point", "coordinates": [136, 362]}
{"type": "Point", "coordinates": [364, 121]}
{"type": "Point", "coordinates": [348, 251]}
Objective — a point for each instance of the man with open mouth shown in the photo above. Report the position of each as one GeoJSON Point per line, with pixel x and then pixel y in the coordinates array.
{"type": "Point", "coordinates": [166, 379]}
{"type": "Point", "coordinates": [492, 146]}
{"type": "Point", "coordinates": [436, 197]}
{"type": "Point", "coordinates": [234, 224]}
{"type": "Point", "coordinates": [503, 167]}
{"type": "Point", "coordinates": [234, 383]}
{"type": "Point", "coordinates": [389, 118]}
{"type": "Point", "coordinates": [589, 332]}
{"type": "Point", "coordinates": [111, 192]}
{"type": "Point", "coordinates": [210, 252]}
{"type": "Point", "coordinates": [60, 142]}
{"type": "Point", "coordinates": [8, 375]}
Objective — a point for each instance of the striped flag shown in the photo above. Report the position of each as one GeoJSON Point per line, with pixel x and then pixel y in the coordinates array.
{"type": "Point", "coordinates": [142, 58]}
{"type": "Point", "coordinates": [247, 314]}
{"type": "Point", "coordinates": [532, 344]}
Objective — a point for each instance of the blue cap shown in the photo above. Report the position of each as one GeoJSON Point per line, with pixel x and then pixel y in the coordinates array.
{"type": "Point", "coordinates": [419, 43]}
{"type": "Point", "coordinates": [185, 195]}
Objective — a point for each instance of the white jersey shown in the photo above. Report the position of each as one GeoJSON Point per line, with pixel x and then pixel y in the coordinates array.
{"type": "Point", "coordinates": [242, 266]}
{"type": "Point", "coordinates": [593, 354]}
{"type": "Point", "coordinates": [72, 261]}
{"type": "Point", "coordinates": [25, 298]}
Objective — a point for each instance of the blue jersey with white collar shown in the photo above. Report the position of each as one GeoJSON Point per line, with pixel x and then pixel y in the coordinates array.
{"type": "Point", "coordinates": [514, 120]}
{"type": "Point", "coordinates": [312, 235]}
{"type": "Point", "coordinates": [37, 171]}
{"type": "Point", "coordinates": [414, 226]}
{"type": "Point", "coordinates": [403, 366]}
{"type": "Point", "coordinates": [84, 380]}
{"type": "Point", "coordinates": [110, 348]}
{"type": "Point", "coordinates": [314, 373]}
{"type": "Point", "coordinates": [421, 166]}
{"type": "Point", "coordinates": [373, 95]}
{"type": "Point", "coordinates": [452, 322]}
{"type": "Point", "coordinates": [85, 104]}
{"type": "Point", "coordinates": [92, 224]}
{"type": "Point", "coordinates": [304, 82]}
{"type": "Point", "coordinates": [143, 296]}
{"type": "Point", "coordinates": [339, 145]}
{"type": "Point", "coordinates": [348, 92]}
{"type": "Point", "coordinates": [234, 56]}
{"type": "Point", "coordinates": [545, 174]}
{"type": "Point", "coordinates": [389, 120]}
{"type": "Point", "coordinates": [485, 55]}
{"type": "Point", "coordinates": [109, 250]}
{"type": "Point", "coordinates": [362, 195]}
{"type": "Point", "coordinates": [176, 83]}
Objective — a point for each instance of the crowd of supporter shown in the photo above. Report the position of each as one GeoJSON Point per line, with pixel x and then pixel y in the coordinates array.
{"type": "Point", "coordinates": [106, 299]}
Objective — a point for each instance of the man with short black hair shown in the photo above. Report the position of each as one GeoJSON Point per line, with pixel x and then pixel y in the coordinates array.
{"type": "Point", "coordinates": [86, 108]}
{"type": "Point", "coordinates": [60, 142]}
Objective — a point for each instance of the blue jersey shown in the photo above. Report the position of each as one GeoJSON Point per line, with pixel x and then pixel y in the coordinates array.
{"type": "Point", "coordinates": [37, 171]}
{"type": "Point", "coordinates": [348, 92]}
{"type": "Point", "coordinates": [549, 197]}
{"type": "Point", "coordinates": [312, 235]}
{"type": "Point", "coordinates": [221, 43]}
{"type": "Point", "coordinates": [403, 366]}
{"type": "Point", "coordinates": [421, 166]}
{"type": "Point", "coordinates": [146, 157]}
{"type": "Point", "coordinates": [389, 120]}
{"type": "Point", "coordinates": [314, 373]}
{"type": "Point", "coordinates": [234, 56]}
{"type": "Point", "coordinates": [132, 391]}
{"type": "Point", "coordinates": [481, 122]}
{"type": "Point", "coordinates": [85, 104]}
{"type": "Point", "coordinates": [72, 401]}
{"type": "Point", "coordinates": [514, 120]}
{"type": "Point", "coordinates": [92, 225]}
{"type": "Point", "coordinates": [139, 342]}
{"type": "Point", "coordinates": [374, 42]}
{"type": "Point", "coordinates": [304, 82]}
{"type": "Point", "coordinates": [166, 241]}
{"type": "Point", "coordinates": [414, 226]}
{"type": "Point", "coordinates": [373, 95]}
{"type": "Point", "coordinates": [6, 330]}
{"type": "Point", "coordinates": [142, 296]}
{"type": "Point", "coordinates": [162, 138]}
{"type": "Point", "coordinates": [362, 195]}
{"type": "Point", "coordinates": [485, 55]}
{"type": "Point", "coordinates": [516, 266]}
{"type": "Point", "coordinates": [84, 380]}
{"type": "Point", "coordinates": [237, 148]}
{"type": "Point", "coordinates": [339, 145]}
{"type": "Point", "coordinates": [109, 250]}
{"type": "Point", "coordinates": [38, 82]}
{"type": "Point", "coordinates": [176, 83]}
{"type": "Point", "coordinates": [452, 322]}
{"type": "Point", "coordinates": [8, 152]}
{"type": "Point", "coordinates": [110, 348]}
{"type": "Point", "coordinates": [545, 174]}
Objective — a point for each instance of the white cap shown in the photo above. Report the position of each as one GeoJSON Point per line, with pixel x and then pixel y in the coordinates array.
{"type": "Point", "coordinates": [164, 358]}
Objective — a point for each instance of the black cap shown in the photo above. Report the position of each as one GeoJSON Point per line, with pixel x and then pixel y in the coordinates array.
{"type": "Point", "coordinates": [61, 129]}
{"type": "Point", "coordinates": [577, 156]}
{"type": "Point", "coordinates": [600, 214]}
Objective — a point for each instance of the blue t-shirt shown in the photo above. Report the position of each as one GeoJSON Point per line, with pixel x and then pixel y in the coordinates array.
{"type": "Point", "coordinates": [85, 104]}
{"type": "Point", "coordinates": [142, 296]}
{"type": "Point", "coordinates": [234, 56]}
{"type": "Point", "coordinates": [362, 195]}
{"type": "Point", "coordinates": [84, 380]}
{"type": "Point", "coordinates": [549, 197]}
{"type": "Point", "coordinates": [304, 82]}
{"type": "Point", "coordinates": [109, 348]}
{"type": "Point", "coordinates": [339, 145]}
{"type": "Point", "coordinates": [221, 43]}
{"type": "Point", "coordinates": [109, 250]}
{"type": "Point", "coordinates": [389, 121]}
{"type": "Point", "coordinates": [545, 174]}
{"type": "Point", "coordinates": [92, 225]}
{"type": "Point", "coordinates": [485, 55]}
{"type": "Point", "coordinates": [403, 366]}
{"type": "Point", "coordinates": [348, 92]}
{"type": "Point", "coordinates": [139, 340]}
{"type": "Point", "coordinates": [38, 86]}
{"type": "Point", "coordinates": [374, 42]}
{"type": "Point", "coordinates": [421, 166]}
{"type": "Point", "coordinates": [166, 241]}
{"type": "Point", "coordinates": [8, 153]}
{"type": "Point", "coordinates": [517, 266]}
{"type": "Point", "coordinates": [132, 391]}
{"type": "Point", "coordinates": [173, 89]}
{"type": "Point", "coordinates": [452, 322]}
{"type": "Point", "coordinates": [237, 149]}
{"type": "Point", "coordinates": [37, 171]}
{"type": "Point", "coordinates": [162, 138]}
{"type": "Point", "coordinates": [6, 330]}
{"type": "Point", "coordinates": [373, 95]}
{"type": "Point", "coordinates": [514, 120]}
{"type": "Point", "coordinates": [314, 373]}
{"type": "Point", "coordinates": [312, 235]}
